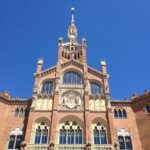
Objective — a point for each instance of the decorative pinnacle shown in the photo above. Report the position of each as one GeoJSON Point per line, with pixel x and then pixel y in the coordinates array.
{"type": "Point", "coordinates": [72, 14]}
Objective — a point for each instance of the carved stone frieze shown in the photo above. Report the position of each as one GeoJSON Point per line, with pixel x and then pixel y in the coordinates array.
{"type": "Point", "coordinates": [42, 102]}
{"type": "Point", "coordinates": [97, 104]}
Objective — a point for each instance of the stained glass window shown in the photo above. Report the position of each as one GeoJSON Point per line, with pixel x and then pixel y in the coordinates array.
{"type": "Point", "coordinates": [128, 143]}
{"type": "Point", "coordinates": [78, 136]}
{"type": "Point", "coordinates": [47, 87]}
{"type": "Point", "coordinates": [44, 136]}
{"type": "Point", "coordinates": [62, 136]}
{"type": "Point", "coordinates": [15, 141]}
{"type": "Point", "coordinates": [18, 141]}
{"type": "Point", "coordinates": [38, 136]}
{"type": "Point", "coordinates": [72, 77]}
{"type": "Point", "coordinates": [70, 133]}
{"type": "Point", "coordinates": [121, 142]}
{"type": "Point", "coordinates": [103, 137]}
{"type": "Point", "coordinates": [124, 114]}
{"type": "Point", "coordinates": [120, 113]}
{"type": "Point", "coordinates": [11, 142]}
{"type": "Point", "coordinates": [100, 136]}
{"type": "Point", "coordinates": [95, 88]}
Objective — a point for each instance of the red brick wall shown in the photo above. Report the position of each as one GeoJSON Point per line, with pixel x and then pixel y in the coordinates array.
{"type": "Point", "coordinates": [8, 122]}
{"type": "Point", "coordinates": [129, 124]}
{"type": "Point", "coordinates": [143, 122]}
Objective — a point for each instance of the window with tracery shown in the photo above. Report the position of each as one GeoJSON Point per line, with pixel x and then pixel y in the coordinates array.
{"type": "Point", "coordinates": [41, 134]}
{"type": "Point", "coordinates": [47, 87]}
{"type": "Point", "coordinates": [99, 134]}
{"type": "Point", "coordinates": [15, 139]}
{"type": "Point", "coordinates": [20, 112]}
{"type": "Point", "coordinates": [95, 88]}
{"type": "Point", "coordinates": [118, 113]}
{"type": "Point", "coordinates": [72, 77]}
{"type": "Point", "coordinates": [124, 140]}
{"type": "Point", "coordinates": [70, 133]}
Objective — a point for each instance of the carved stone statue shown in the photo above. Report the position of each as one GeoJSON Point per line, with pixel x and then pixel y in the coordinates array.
{"type": "Point", "coordinates": [34, 100]}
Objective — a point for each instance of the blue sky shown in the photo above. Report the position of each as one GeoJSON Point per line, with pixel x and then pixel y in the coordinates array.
{"type": "Point", "coordinates": [116, 30]}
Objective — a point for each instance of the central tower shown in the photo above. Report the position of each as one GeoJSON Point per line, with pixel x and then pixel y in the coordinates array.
{"type": "Point", "coordinates": [72, 49]}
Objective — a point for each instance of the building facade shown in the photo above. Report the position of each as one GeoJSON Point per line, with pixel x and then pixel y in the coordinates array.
{"type": "Point", "coordinates": [71, 108]}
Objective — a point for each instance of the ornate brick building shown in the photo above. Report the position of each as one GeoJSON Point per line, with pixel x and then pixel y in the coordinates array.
{"type": "Point", "coordinates": [71, 108]}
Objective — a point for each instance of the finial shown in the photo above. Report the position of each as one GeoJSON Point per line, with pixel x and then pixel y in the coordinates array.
{"type": "Point", "coordinates": [103, 62]}
{"type": "Point", "coordinates": [72, 14]}
{"type": "Point", "coordinates": [40, 61]}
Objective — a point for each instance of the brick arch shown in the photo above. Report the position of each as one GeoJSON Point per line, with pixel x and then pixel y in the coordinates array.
{"type": "Point", "coordinates": [101, 120]}
{"type": "Point", "coordinates": [72, 118]}
{"type": "Point", "coordinates": [42, 119]}
{"type": "Point", "coordinates": [96, 81]}
{"type": "Point", "coordinates": [70, 68]}
{"type": "Point", "coordinates": [101, 124]}
{"type": "Point", "coordinates": [38, 122]}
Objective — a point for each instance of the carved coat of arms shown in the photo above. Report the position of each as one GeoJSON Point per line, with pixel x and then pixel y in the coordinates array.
{"type": "Point", "coordinates": [71, 100]}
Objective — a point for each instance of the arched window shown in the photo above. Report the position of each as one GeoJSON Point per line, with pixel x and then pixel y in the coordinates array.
{"type": "Point", "coordinates": [96, 136]}
{"type": "Point", "coordinates": [148, 108]}
{"type": "Point", "coordinates": [38, 136]}
{"type": "Point", "coordinates": [100, 136]}
{"type": "Point", "coordinates": [95, 88]}
{"type": "Point", "coordinates": [78, 133]}
{"type": "Point", "coordinates": [128, 143]}
{"type": "Point", "coordinates": [120, 113]}
{"type": "Point", "coordinates": [17, 112]}
{"type": "Point", "coordinates": [47, 87]}
{"type": "Point", "coordinates": [18, 141]}
{"type": "Point", "coordinates": [41, 134]}
{"type": "Point", "coordinates": [71, 77]}
{"type": "Point", "coordinates": [121, 142]}
{"type": "Point", "coordinates": [70, 133]}
{"type": "Point", "coordinates": [11, 142]}
{"type": "Point", "coordinates": [21, 113]}
{"type": "Point", "coordinates": [103, 137]}
{"type": "Point", "coordinates": [70, 136]}
{"type": "Point", "coordinates": [124, 140]}
{"type": "Point", "coordinates": [45, 135]}
{"type": "Point", "coordinates": [15, 139]}
{"type": "Point", "coordinates": [124, 114]}
{"type": "Point", "coordinates": [62, 139]}
{"type": "Point", "coordinates": [115, 113]}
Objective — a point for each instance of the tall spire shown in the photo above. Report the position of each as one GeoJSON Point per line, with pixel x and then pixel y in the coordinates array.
{"type": "Point", "coordinates": [72, 15]}
{"type": "Point", "coordinates": [72, 31]}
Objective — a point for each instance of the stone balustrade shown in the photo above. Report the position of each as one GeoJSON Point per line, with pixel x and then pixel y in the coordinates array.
{"type": "Point", "coordinates": [69, 147]}
{"type": "Point", "coordinates": [37, 147]}
{"type": "Point", "coordinates": [102, 147]}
